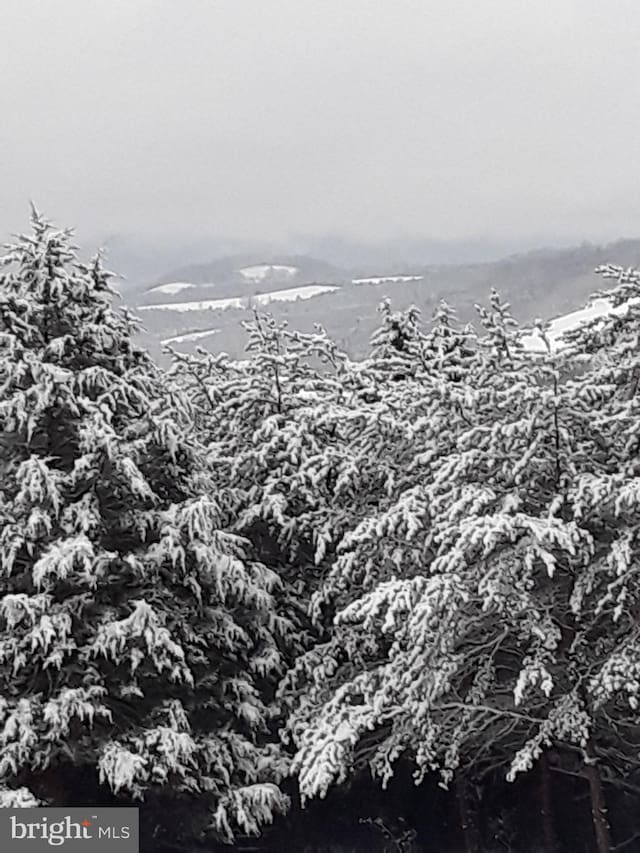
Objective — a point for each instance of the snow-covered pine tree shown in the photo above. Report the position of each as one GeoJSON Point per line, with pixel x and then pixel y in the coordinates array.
{"type": "Point", "coordinates": [416, 417]}
{"type": "Point", "coordinates": [449, 350]}
{"type": "Point", "coordinates": [309, 447]}
{"type": "Point", "coordinates": [136, 635]}
{"type": "Point", "coordinates": [272, 424]}
{"type": "Point", "coordinates": [395, 344]}
{"type": "Point", "coordinates": [605, 499]}
{"type": "Point", "coordinates": [509, 623]}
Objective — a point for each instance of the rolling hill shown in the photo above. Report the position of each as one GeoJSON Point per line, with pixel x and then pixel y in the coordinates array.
{"type": "Point", "coordinates": [204, 305]}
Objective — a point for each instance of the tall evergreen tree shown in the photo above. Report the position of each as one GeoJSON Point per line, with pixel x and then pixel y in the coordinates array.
{"type": "Point", "coordinates": [138, 637]}
{"type": "Point", "coordinates": [488, 613]}
{"type": "Point", "coordinates": [415, 417]}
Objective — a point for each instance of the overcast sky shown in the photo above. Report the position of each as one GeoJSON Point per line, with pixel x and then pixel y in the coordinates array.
{"type": "Point", "coordinates": [263, 118]}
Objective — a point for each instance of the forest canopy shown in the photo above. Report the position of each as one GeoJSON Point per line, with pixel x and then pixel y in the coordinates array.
{"type": "Point", "coordinates": [392, 600]}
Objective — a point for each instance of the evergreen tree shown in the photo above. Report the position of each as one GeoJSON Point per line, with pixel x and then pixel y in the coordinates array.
{"type": "Point", "coordinates": [395, 344]}
{"type": "Point", "coordinates": [271, 422]}
{"type": "Point", "coordinates": [415, 420]}
{"type": "Point", "coordinates": [139, 639]}
{"type": "Point", "coordinates": [487, 613]}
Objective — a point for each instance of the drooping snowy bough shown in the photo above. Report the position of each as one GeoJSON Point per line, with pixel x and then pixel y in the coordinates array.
{"type": "Point", "coordinates": [139, 638]}
{"type": "Point", "coordinates": [486, 596]}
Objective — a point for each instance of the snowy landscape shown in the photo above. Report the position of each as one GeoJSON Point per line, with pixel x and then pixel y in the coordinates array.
{"type": "Point", "coordinates": [232, 585]}
{"type": "Point", "coordinates": [320, 426]}
{"type": "Point", "coordinates": [290, 295]}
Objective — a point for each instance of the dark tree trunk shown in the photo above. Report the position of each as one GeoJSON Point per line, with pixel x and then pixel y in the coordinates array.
{"type": "Point", "coordinates": [469, 830]}
{"type": "Point", "coordinates": [598, 810]}
{"type": "Point", "coordinates": [549, 837]}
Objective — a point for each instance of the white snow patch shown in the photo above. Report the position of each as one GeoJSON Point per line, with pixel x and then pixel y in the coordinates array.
{"type": "Point", "coordinates": [290, 295]}
{"type": "Point", "coordinates": [387, 278]}
{"type": "Point", "coordinates": [261, 271]}
{"type": "Point", "coordinates": [599, 308]}
{"type": "Point", "coordinates": [172, 287]}
{"type": "Point", "coordinates": [295, 293]}
{"type": "Point", "coordinates": [190, 336]}
{"type": "Point", "coordinates": [197, 305]}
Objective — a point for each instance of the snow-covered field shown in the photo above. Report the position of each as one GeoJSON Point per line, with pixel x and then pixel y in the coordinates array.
{"type": "Point", "coordinates": [261, 271]}
{"type": "Point", "coordinates": [172, 287]}
{"type": "Point", "coordinates": [387, 278]}
{"type": "Point", "coordinates": [190, 336]}
{"type": "Point", "coordinates": [197, 305]}
{"type": "Point", "coordinates": [568, 322]}
{"type": "Point", "coordinates": [307, 291]}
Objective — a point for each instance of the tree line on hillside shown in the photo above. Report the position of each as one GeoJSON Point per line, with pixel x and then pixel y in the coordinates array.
{"type": "Point", "coordinates": [308, 603]}
{"type": "Point", "coordinates": [349, 313]}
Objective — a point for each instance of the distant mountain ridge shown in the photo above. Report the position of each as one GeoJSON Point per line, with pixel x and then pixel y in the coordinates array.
{"type": "Point", "coordinates": [223, 270]}
{"type": "Point", "coordinates": [215, 297]}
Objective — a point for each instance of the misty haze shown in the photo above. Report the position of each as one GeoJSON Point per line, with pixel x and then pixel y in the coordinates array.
{"type": "Point", "coordinates": [319, 425]}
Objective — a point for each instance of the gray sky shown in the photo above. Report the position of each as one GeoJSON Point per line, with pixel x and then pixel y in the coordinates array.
{"type": "Point", "coordinates": [262, 118]}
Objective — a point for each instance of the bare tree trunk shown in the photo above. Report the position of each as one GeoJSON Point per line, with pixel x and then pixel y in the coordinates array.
{"type": "Point", "coordinates": [546, 808]}
{"type": "Point", "coordinates": [470, 833]}
{"type": "Point", "coordinates": [598, 810]}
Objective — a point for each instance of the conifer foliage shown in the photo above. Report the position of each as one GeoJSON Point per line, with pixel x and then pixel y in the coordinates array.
{"type": "Point", "coordinates": [428, 558]}
{"type": "Point", "coordinates": [486, 607]}
{"type": "Point", "coordinates": [138, 637]}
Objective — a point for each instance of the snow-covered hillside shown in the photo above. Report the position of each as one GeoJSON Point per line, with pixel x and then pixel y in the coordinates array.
{"type": "Point", "coordinates": [387, 278]}
{"type": "Point", "coordinates": [259, 272]}
{"type": "Point", "coordinates": [171, 287]}
{"type": "Point", "coordinates": [291, 294]}
{"type": "Point", "coordinates": [568, 322]}
{"type": "Point", "coordinates": [190, 336]}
